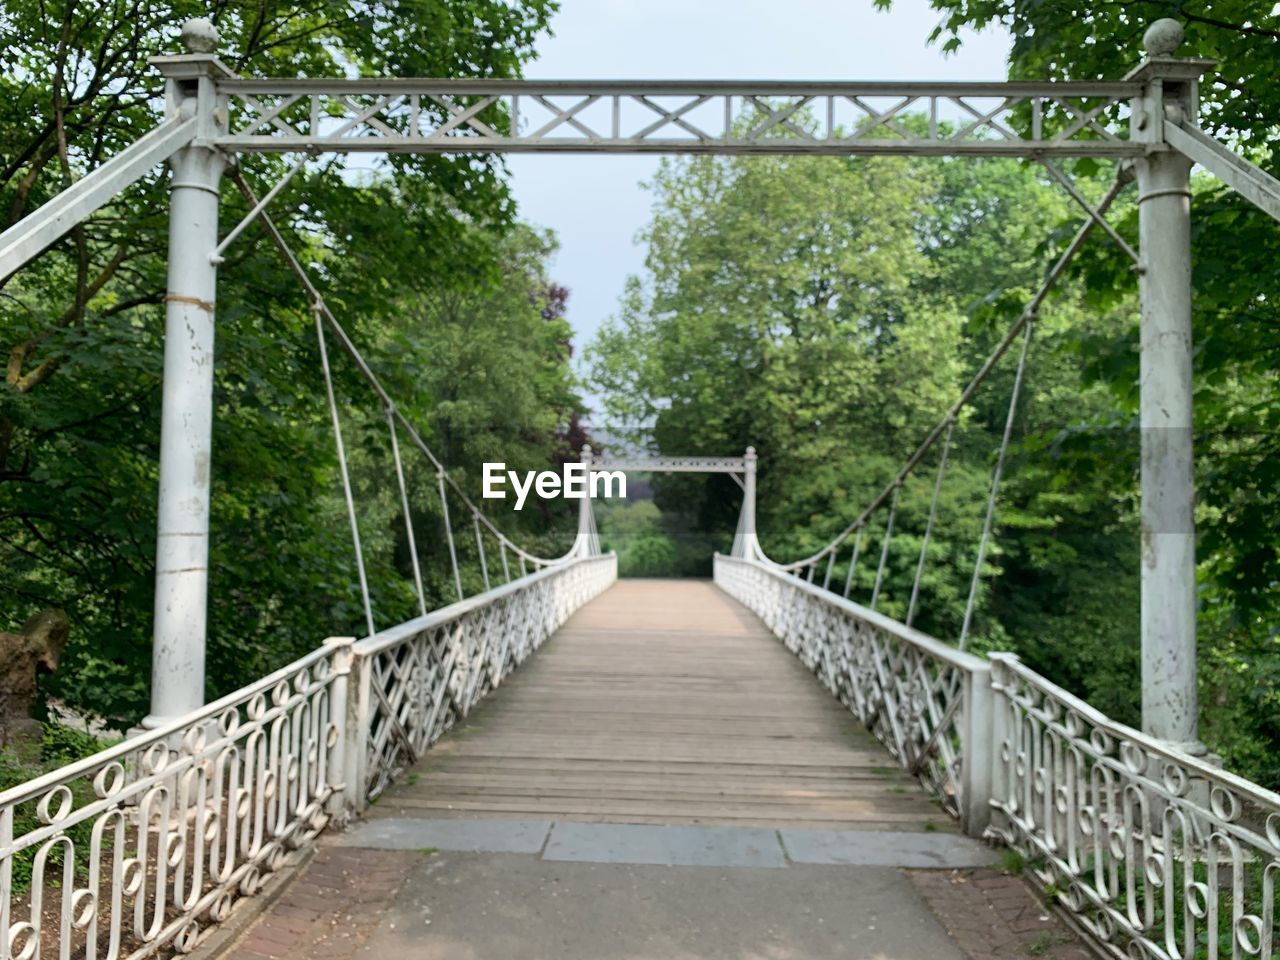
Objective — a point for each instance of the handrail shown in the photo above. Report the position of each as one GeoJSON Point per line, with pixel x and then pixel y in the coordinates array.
{"type": "Point", "coordinates": [132, 745]}
{"type": "Point", "coordinates": [1202, 767]}
{"type": "Point", "coordinates": [402, 631]}
{"type": "Point", "coordinates": [931, 645]}
{"type": "Point", "coordinates": [207, 807]}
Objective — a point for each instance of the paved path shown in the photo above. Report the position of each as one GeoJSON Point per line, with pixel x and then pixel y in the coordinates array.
{"type": "Point", "coordinates": [662, 781]}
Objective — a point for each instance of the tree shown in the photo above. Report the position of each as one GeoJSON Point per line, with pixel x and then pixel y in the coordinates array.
{"type": "Point", "coordinates": [81, 327]}
{"type": "Point", "coordinates": [828, 311]}
{"type": "Point", "coordinates": [1236, 318]}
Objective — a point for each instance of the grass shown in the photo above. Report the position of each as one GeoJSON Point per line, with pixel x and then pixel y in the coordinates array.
{"type": "Point", "coordinates": [1042, 943]}
{"type": "Point", "coordinates": [930, 826]}
{"type": "Point", "coordinates": [1012, 862]}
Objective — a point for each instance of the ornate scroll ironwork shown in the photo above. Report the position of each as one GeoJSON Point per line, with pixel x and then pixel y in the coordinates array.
{"type": "Point", "coordinates": [842, 118]}
{"type": "Point", "coordinates": [145, 845]}
{"type": "Point", "coordinates": [1157, 854]}
{"type": "Point", "coordinates": [917, 696]}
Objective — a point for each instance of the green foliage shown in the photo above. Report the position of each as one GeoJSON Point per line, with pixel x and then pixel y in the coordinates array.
{"type": "Point", "coordinates": [653, 543]}
{"type": "Point", "coordinates": [1236, 319]}
{"type": "Point", "coordinates": [651, 555]}
{"type": "Point", "coordinates": [421, 259]}
{"type": "Point", "coordinates": [828, 311]}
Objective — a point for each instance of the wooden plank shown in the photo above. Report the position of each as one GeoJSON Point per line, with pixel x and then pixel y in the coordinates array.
{"type": "Point", "coordinates": [665, 702]}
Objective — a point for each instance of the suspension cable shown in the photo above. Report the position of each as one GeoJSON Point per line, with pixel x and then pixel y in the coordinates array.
{"type": "Point", "coordinates": [484, 565]}
{"type": "Point", "coordinates": [408, 516]}
{"type": "Point", "coordinates": [313, 292]}
{"type": "Point", "coordinates": [342, 466]}
{"type": "Point", "coordinates": [448, 532]}
{"type": "Point", "coordinates": [1010, 337]}
{"type": "Point", "coordinates": [995, 488]}
{"type": "Point", "coordinates": [928, 527]}
{"type": "Point", "coordinates": [853, 561]}
{"type": "Point", "coordinates": [884, 550]}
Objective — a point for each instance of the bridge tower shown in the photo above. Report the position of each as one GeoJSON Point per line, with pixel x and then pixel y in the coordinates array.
{"type": "Point", "coordinates": [1169, 95]}
{"type": "Point", "coordinates": [186, 418]}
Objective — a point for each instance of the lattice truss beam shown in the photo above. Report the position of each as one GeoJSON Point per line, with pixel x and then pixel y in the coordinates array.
{"type": "Point", "coordinates": [640, 464]}
{"type": "Point", "coordinates": [489, 116]}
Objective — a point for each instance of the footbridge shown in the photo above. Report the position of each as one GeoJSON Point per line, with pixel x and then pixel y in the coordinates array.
{"type": "Point", "coordinates": [559, 764]}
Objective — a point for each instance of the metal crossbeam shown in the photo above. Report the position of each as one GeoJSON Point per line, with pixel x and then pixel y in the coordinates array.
{"type": "Point", "coordinates": [671, 464]}
{"type": "Point", "coordinates": [1250, 181]}
{"type": "Point", "coordinates": [24, 241]}
{"type": "Point", "coordinates": [721, 117]}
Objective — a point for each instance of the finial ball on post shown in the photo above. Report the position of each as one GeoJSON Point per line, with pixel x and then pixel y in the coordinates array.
{"type": "Point", "coordinates": [200, 36]}
{"type": "Point", "coordinates": [1163, 37]}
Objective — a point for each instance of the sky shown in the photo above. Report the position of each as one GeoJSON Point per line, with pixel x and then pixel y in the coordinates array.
{"type": "Point", "coordinates": [596, 204]}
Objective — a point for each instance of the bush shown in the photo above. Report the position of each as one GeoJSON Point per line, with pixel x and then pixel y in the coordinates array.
{"type": "Point", "coordinates": [649, 555]}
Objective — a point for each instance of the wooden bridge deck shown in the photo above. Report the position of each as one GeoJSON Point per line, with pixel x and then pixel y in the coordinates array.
{"type": "Point", "coordinates": [664, 702]}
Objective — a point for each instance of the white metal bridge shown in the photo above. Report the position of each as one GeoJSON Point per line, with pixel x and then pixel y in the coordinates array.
{"type": "Point", "coordinates": [150, 847]}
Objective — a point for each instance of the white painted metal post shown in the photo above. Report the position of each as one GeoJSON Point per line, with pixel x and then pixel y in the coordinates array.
{"type": "Point", "coordinates": [582, 546]}
{"type": "Point", "coordinates": [750, 545]}
{"type": "Point", "coordinates": [357, 731]}
{"type": "Point", "coordinates": [1169, 709]}
{"type": "Point", "coordinates": [186, 419]}
{"type": "Point", "coordinates": [979, 751]}
{"type": "Point", "coordinates": [339, 709]}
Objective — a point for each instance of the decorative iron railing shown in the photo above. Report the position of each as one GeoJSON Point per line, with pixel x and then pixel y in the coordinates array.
{"type": "Point", "coordinates": [415, 681]}
{"type": "Point", "coordinates": [1158, 854]}
{"type": "Point", "coordinates": [143, 845]}
{"type": "Point", "coordinates": [925, 701]}
{"type": "Point", "coordinates": [1155, 853]}
{"type": "Point", "coordinates": [142, 848]}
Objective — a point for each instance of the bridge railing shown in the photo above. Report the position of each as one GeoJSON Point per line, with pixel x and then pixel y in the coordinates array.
{"type": "Point", "coordinates": [145, 846]}
{"type": "Point", "coordinates": [928, 703]}
{"type": "Point", "coordinates": [1153, 852]}
{"type": "Point", "coordinates": [413, 682]}
{"type": "Point", "coordinates": [146, 843]}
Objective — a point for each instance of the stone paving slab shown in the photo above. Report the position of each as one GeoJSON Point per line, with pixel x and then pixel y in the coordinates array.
{"type": "Point", "coordinates": [474, 836]}
{"type": "Point", "coordinates": [671, 845]}
{"type": "Point", "coordinates": [667, 846]}
{"type": "Point", "coordinates": [885, 848]}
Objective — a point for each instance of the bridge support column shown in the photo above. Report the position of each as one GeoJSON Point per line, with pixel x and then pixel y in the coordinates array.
{"type": "Point", "coordinates": [585, 545]}
{"type": "Point", "coordinates": [186, 419]}
{"type": "Point", "coordinates": [1169, 703]}
{"type": "Point", "coordinates": [745, 543]}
